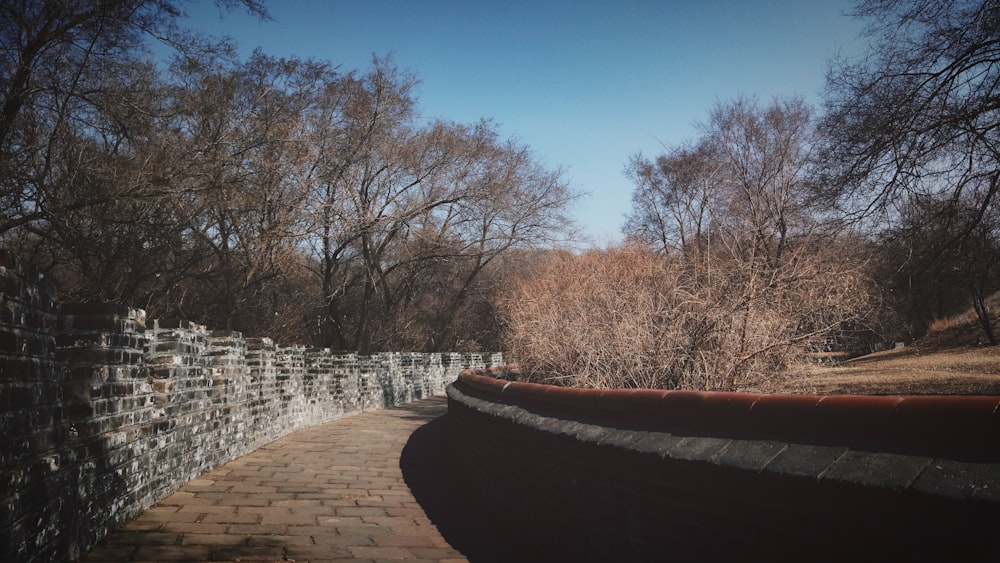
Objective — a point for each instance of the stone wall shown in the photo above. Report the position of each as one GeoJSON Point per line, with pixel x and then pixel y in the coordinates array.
{"type": "Point", "coordinates": [103, 413]}
{"type": "Point", "coordinates": [643, 475]}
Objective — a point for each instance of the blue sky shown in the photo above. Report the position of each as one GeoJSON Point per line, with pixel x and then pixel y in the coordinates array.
{"type": "Point", "coordinates": [585, 84]}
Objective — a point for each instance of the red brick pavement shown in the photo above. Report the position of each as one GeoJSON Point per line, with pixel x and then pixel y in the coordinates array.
{"type": "Point", "coordinates": [333, 492]}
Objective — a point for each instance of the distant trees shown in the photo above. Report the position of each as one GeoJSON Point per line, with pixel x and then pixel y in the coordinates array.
{"type": "Point", "coordinates": [940, 259]}
{"type": "Point", "coordinates": [284, 197]}
{"type": "Point", "coordinates": [407, 216]}
{"type": "Point", "coordinates": [273, 196]}
{"type": "Point", "coordinates": [912, 131]}
{"type": "Point", "coordinates": [675, 198]}
{"type": "Point", "coordinates": [71, 71]}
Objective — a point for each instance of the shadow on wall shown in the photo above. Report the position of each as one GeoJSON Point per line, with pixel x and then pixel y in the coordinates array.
{"type": "Point", "coordinates": [443, 493]}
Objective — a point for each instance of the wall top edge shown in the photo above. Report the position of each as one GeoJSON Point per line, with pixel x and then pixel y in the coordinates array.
{"type": "Point", "coordinates": [966, 427]}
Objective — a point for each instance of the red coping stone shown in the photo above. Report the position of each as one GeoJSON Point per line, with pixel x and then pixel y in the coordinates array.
{"type": "Point", "coordinates": [727, 411]}
{"type": "Point", "coordinates": [783, 416]}
{"type": "Point", "coordinates": [523, 391]}
{"type": "Point", "coordinates": [481, 383]}
{"type": "Point", "coordinates": [643, 406]}
{"type": "Point", "coordinates": [572, 398]}
{"type": "Point", "coordinates": [962, 423]}
{"type": "Point", "coordinates": [856, 417]}
{"type": "Point", "coordinates": [969, 413]}
{"type": "Point", "coordinates": [631, 399]}
{"type": "Point", "coordinates": [681, 409]}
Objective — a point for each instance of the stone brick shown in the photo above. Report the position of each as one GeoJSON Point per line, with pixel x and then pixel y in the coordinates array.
{"type": "Point", "coordinates": [103, 413]}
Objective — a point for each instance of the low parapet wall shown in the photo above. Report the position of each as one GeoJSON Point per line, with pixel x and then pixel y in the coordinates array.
{"type": "Point", "coordinates": [694, 476]}
{"type": "Point", "coordinates": [102, 414]}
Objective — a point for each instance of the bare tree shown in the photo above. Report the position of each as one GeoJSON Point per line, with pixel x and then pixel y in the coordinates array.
{"type": "Point", "coordinates": [401, 207]}
{"type": "Point", "coordinates": [940, 257]}
{"type": "Point", "coordinates": [916, 120]}
{"type": "Point", "coordinates": [918, 116]}
{"type": "Point", "coordinates": [61, 61]}
{"type": "Point", "coordinates": [243, 146]}
{"type": "Point", "coordinates": [741, 284]}
{"type": "Point", "coordinates": [206, 189]}
{"type": "Point", "coordinates": [676, 197]}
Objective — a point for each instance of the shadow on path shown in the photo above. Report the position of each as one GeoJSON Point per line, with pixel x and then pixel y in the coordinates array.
{"type": "Point", "coordinates": [445, 497]}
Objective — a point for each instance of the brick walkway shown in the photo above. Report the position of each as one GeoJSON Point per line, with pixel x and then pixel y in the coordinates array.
{"type": "Point", "coordinates": [327, 493]}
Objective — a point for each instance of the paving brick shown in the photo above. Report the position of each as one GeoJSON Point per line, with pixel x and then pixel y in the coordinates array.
{"type": "Point", "coordinates": [214, 539]}
{"type": "Point", "coordinates": [697, 448]}
{"type": "Point", "coordinates": [172, 516]}
{"type": "Point", "coordinates": [368, 531]}
{"type": "Point", "coordinates": [750, 454]}
{"type": "Point", "coordinates": [312, 510]}
{"type": "Point", "coordinates": [231, 518]}
{"type": "Point", "coordinates": [245, 487]}
{"type": "Point", "coordinates": [248, 553]}
{"type": "Point", "coordinates": [381, 552]}
{"type": "Point", "coordinates": [288, 519]}
{"type": "Point", "coordinates": [195, 528]}
{"type": "Point", "coordinates": [409, 511]}
{"type": "Point", "coordinates": [174, 553]}
{"type": "Point", "coordinates": [242, 499]}
{"type": "Point", "coordinates": [207, 509]}
{"type": "Point", "coordinates": [297, 503]}
{"type": "Point", "coordinates": [185, 498]}
{"type": "Point", "coordinates": [283, 540]}
{"type": "Point", "coordinates": [362, 511]}
{"type": "Point", "coordinates": [247, 529]}
{"type": "Point", "coordinates": [144, 525]}
{"type": "Point", "coordinates": [326, 493]}
{"type": "Point", "coordinates": [104, 552]}
{"type": "Point", "coordinates": [412, 529]}
{"type": "Point", "coordinates": [397, 540]}
{"type": "Point", "coordinates": [318, 553]}
{"type": "Point", "coordinates": [299, 489]}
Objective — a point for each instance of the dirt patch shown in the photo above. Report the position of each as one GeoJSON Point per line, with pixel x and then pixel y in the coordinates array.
{"type": "Point", "coordinates": [911, 370]}
{"type": "Point", "coordinates": [951, 359]}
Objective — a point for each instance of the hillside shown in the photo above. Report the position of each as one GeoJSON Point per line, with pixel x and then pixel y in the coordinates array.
{"type": "Point", "coordinates": [948, 360]}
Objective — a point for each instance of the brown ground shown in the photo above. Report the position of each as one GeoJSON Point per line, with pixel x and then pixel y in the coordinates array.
{"type": "Point", "coordinates": [949, 360]}
{"type": "Point", "coordinates": [905, 371]}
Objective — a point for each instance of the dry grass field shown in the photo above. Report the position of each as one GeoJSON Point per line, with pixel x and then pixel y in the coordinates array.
{"type": "Point", "coordinates": [905, 371]}
{"type": "Point", "coordinates": [949, 360]}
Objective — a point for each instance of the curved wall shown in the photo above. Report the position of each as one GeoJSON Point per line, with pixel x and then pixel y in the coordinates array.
{"type": "Point", "coordinates": [693, 476]}
{"type": "Point", "coordinates": [102, 414]}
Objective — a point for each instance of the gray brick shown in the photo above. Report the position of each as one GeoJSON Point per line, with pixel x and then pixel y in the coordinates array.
{"type": "Point", "coordinates": [874, 469]}
{"type": "Point", "coordinates": [960, 480]}
{"type": "Point", "coordinates": [805, 460]}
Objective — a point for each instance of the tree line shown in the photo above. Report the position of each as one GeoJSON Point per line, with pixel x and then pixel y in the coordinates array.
{"type": "Point", "coordinates": [274, 196]}
{"type": "Point", "coordinates": [289, 198]}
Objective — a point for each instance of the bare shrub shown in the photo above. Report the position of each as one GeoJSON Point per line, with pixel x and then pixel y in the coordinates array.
{"type": "Point", "coordinates": [628, 317]}
{"type": "Point", "coordinates": [593, 320]}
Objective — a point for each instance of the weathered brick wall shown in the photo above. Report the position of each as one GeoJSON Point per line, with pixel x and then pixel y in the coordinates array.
{"type": "Point", "coordinates": [35, 422]}
{"type": "Point", "coordinates": [588, 475]}
{"type": "Point", "coordinates": [103, 413]}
